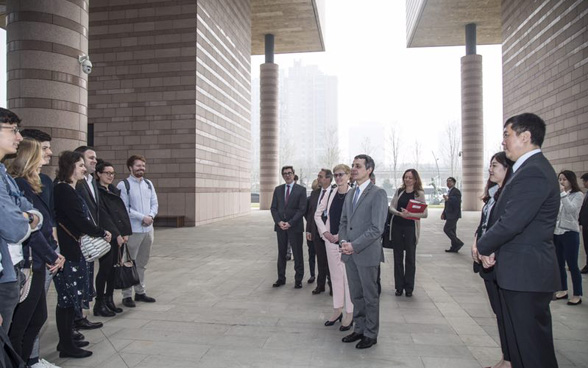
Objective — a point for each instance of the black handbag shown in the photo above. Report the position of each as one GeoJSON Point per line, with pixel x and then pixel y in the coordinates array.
{"type": "Point", "coordinates": [386, 242]}
{"type": "Point", "coordinates": [125, 273]}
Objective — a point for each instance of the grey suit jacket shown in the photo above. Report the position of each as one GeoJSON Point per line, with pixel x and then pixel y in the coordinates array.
{"type": "Point", "coordinates": [291, 212]}
{"type": "Point", "coordinates": [521, 229]}
{"type": "Point", "coordinates": [363, 227]}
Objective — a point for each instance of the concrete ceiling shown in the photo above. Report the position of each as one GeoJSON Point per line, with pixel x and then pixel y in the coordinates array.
{"type": "Point", "coordinates": [442, 22]}
{"type": "Point", "coordinates": [295, 24]}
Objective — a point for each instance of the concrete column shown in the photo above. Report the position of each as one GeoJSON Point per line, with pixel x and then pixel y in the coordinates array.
{"type": "Point", "coordinates": [46, 85]}
{"type": "Point", "coordinates": [472, 132]}
{"type": "Point", "coordinates": [269, 134]}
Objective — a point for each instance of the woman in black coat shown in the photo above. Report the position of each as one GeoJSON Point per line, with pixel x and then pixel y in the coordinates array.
{"type": "Point", "coordinates": [73, 220]}
{"type": "Point", "coordinates": [30, 315]}
{"type": "Point", "coordinates": [116, 220]}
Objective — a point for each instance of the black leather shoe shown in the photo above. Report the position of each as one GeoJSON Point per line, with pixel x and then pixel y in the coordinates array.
{"type": "Point", "coordinates": [366, 342]}
{"type": "Point", "coordinates": [109, 303]}
{"type": "Point", "coordinates": [451, 250]}
{"type": "Point", "coordinates": [100, 309]}
{"type": "Point", "coordinates": [311, 279]}
{"type": "Point", "coordinates": [398, 292]}
{"type": "Point", "coordinates": [584, 269]}
{"type": "Point", "coordinates": [352, 337]}
{"type": "Point", "coordinates": [144, 298]}
{"type": "Point", "coordinates": [279, 283]}
{"type": "Point", "coordinates": [408, 294]}
{"type": "Point", "coordinates": [318, 290]}
{"type": "Point", "coordinates": [288, 257]}
{"type": "Point", "coordinates": [128, 302]}
{"type": "Point", "coordinates": [330, 323]}
{"type": "Point", "coordinates": [76, 353]}
{"type": "Point", "coordinates": [84, 324]}
{"type": "Point", "coordinates": [298, 285]}
{"type": "Point", "coordinates": [77, 335]}
{"type": "Point", "coordinates": [81, 343]}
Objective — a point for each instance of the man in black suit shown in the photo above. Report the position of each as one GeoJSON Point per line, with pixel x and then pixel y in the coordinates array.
{"type": "Point", "coordinates": [88, 189]}
{"type": "Point", "coordinates": [288, 208]}
{"type": "Point", "coordinates": [452, 213]}
{"type": "Point", "coordinates": [324, 177]}
{"type": "Point", "coordinates": [519, 244]}
{"type": "Point", "coordinates": [583, 219]}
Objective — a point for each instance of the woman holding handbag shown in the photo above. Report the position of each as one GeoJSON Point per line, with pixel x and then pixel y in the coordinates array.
{"type": "Point", "coordinates": [74, 220]}
{"type": "Point", "coordinates": [117, 221]}
{"type": "Point", "coordinates": [31, 313]}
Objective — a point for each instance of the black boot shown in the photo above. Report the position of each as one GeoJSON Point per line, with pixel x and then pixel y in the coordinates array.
{"type": "Point", "coordinates": [100, 309]}
{"type": "Point", "coordinates": [109, 302]}
{"type": "Point", "coordinates": [64, 318]}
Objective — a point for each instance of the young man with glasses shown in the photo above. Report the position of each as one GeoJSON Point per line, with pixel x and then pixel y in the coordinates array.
{"type": "Point", "coordinates": [18, 219]}
{"type": "Point", "coordinates": [288, 208]}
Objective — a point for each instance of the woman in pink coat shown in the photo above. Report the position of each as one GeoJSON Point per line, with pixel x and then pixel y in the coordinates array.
{"type": "Point", "coordinates": [327, 217]}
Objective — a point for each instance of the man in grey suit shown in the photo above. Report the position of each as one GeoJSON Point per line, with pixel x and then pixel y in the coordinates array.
{"type": "Point", "coordinates": [362, 223]}
{"type": "Point", "coordinates": [288, 208]}
{"type": "Point", "coordinates": [519, 244]}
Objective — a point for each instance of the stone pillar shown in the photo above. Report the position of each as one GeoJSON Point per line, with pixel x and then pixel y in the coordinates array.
{"type": "Point", "coordinates": [46, 85]}
{"type": "Point", "coordinates": [472, 125]}
{"type": "Point", "coordinates": [269, 128]}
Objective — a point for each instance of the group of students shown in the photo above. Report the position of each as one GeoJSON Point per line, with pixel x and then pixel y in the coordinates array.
{"type": "Point", "coordinates": [42, 223]}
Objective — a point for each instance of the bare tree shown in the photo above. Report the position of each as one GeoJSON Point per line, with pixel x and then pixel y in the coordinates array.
{"type": "Point", "coordinates": [332, 153]}
{"type": "Point", "coordinates": [417, 153]}
{"type": "Point", "coordinates": [394, 143]}
{"type": "Point", "coordinates": [367, 147]}
{"type": "Point", "coordinates": [452, 145]}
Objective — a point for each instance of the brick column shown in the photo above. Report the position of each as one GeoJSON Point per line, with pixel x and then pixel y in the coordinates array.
{"type": "Point", "coordinates": [269, 134]}
{"type": "Point", "coordinates": [46, 85]}
{"type": "Point", "coordinates": [472, 131]}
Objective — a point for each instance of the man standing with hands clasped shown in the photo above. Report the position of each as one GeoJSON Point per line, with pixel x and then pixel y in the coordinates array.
{"type": "Point", "coordinates": [519, 244]}
{"type": "Point", "coordinates": [360, 229]}
{"type": "Point", "coordinates": [451, 214]}
{"type": "Point", "coordinates": [288, 207]}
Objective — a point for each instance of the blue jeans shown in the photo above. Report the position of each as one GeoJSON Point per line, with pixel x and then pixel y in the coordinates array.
{"type": "Point", "coordinates": [567, 246]}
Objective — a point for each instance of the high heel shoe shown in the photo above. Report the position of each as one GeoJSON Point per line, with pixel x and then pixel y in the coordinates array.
{"type": "Point", "coordinates": [346, 328]}
{"type": "Point", "coordinates": [330, 323]}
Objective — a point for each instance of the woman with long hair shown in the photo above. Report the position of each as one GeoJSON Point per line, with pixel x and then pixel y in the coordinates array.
{"type": "Point", "coordinates": [327, 218]}
{"type": "Point", "coordinates": [567, 236]}
{"type": "Point", "coordinates": [73, 220]}
{"type": "Point", "coordinates": [117, 221]}
{"type": "Point", "coordinates": [404, 231]}
{"type": "Point", "coordinates": [499, 171]}
{"type": "Point", "coordinates": [30, 315]}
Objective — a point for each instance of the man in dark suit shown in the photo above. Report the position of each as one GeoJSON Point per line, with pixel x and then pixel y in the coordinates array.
{"type": "Point", "coordinates": [88, 189]}
{"type": "Point", "coordinates": [451, 214]}
{"type": "Point", "coordinates": [324, 177]}
{"type": "Point", "coordinates": [583, 219]}
{"type": "Point", "coordinates": [288, 208]}
{"type": "Point", "coordinates": [360, 229]}
{"type": "Point", "coordinates": [519, 244]}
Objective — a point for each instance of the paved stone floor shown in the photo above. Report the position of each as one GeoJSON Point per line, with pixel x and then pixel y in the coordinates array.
{"type": "Point", "coordinates": [216, 308]}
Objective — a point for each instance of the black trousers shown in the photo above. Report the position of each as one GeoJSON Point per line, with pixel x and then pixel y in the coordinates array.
{"type": "Point", "coordinates": [494, 297]}
{"type": "Point", "coordinates": [321, 262]}
{"type": "Point", "coordinates": [585, 238]}
{"type": "Point", "coordinates": [528, 330]}
{"type": "Point", "coordinates": [105, 275]}
{"type": "Point", "coordinates": [311, 256]}
{"type": "Point", "coordinates": [450, 229]}
{"type": "Point", "coordinates": [29, 316]}
{"type": "Point", "coordinates": [404, 245]}
{"type": "Point", "coordinates": [295, 240]}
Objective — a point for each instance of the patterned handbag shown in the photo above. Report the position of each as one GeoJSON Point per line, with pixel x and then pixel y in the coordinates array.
{"type": "Point", "coordinates": [92, 248]}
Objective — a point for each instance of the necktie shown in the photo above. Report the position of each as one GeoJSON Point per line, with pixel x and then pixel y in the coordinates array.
{"type": "Point", "coordinates": [320, 200]}
{"type": "Point", "coordinates": [287, 193]}
{"type": "Point", "coordinates": [355, 197]}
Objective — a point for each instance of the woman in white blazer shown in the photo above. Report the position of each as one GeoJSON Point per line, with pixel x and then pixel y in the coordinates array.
{"type": "Point", "coordinates": [327, 217]}
{"type": "Point", "coordinates": [404, 232]}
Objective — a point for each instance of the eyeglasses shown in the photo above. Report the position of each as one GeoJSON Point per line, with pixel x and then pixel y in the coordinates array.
{"type": "Point", "coordinates": [109, 173]}
{"type": "Point", "coordinates": [287, 173]}
{"type": "Point", "coordinates": [337, 175]}
{"type": "Point", "coordinates": [14, 129]}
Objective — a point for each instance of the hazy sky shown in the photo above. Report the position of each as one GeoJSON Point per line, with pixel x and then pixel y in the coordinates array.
{"type": "Point", "coordinates": [380, 80]}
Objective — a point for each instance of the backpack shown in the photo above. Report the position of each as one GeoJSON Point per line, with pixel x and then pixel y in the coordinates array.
{"type": "Point", "coordinates": [128, 188]}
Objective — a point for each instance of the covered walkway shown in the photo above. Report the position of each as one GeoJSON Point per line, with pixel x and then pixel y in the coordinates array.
{"type": "Point", "coordinates": [216, 308]}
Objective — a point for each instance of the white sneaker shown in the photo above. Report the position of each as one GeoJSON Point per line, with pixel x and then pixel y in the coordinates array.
{"type": "Point", "coordinates": [46, 364]}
